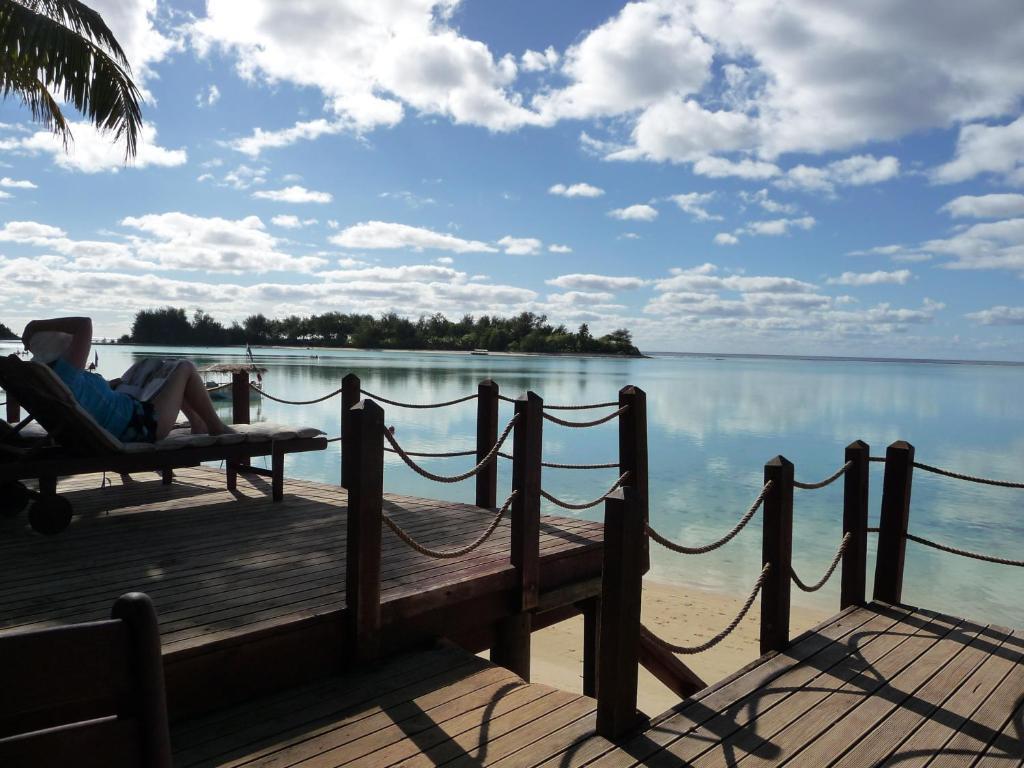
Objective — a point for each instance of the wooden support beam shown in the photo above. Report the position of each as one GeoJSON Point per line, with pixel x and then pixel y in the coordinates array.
{"type": "Point", "coordinates": [13, 408]}
{"type": "Point", "coordinates": [591, 643]}
{"type": "Point", "coordinates": [619, 643]}
{"type": "Point", "coordinates": [277, 473]}
{"type": "Point", "coordinates": [512, 644]}
{"type": "Point", "coordinates": [855, 523]}
{"type": "Point", "coordinates": [526, 478]}
{"type": "Point", "coordinates": [777, 550]}
{"type": "Point", "coordinates": [240, 397]}
{"type": "Point", "coordinates": [351, 393]}
{"type": "Point", "coordinates": [668, 668]}
{"type": "Point", "coordinates": [365, 509]}
{"type": "Point", "coordinates": [633, 454]}
{"type": "Point", "coordinates": [892, 528]}
{"type": "Point", "coordinates": [149, 699]}
{"type": "Point", "coordinates": [486, 437]}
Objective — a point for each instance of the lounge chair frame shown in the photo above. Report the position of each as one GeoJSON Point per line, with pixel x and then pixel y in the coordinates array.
{"type": "Point", "coordinates": [76, 445]}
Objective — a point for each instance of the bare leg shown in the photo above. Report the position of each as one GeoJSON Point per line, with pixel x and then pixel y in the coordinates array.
{"type": "Point", "coordinates": [185, 385]}
{"type": "Point", "coordinates": [198, 425]}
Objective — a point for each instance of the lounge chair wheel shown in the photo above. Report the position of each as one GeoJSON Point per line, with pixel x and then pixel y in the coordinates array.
{"type": "Point", "coordinates": [50, 515]}
{"type": "Point", "coordinates": [14, 497]}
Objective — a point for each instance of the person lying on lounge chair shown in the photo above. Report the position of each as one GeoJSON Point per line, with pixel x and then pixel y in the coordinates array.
{"type": "Point", "coordinates": [63, 343]}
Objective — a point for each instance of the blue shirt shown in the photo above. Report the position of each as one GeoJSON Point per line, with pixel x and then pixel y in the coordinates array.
{"type": "Point", "coordinates": [111, 410]}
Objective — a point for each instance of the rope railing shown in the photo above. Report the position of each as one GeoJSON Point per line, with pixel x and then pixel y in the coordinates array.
{"type": "Point", "coordinates": [964, 552]}
{"type": "Point", "coordinates": [827, 481]}
{"type": "Point", "coordinates": [684, 550]}
{"type": "Point", "coordinates": [828, 574]}
{"type": "Point", "coordinates": [420, 406]}
{"type": "Point", "coordinates": [580, 407]}
{"type": "Point", "coordinates": [561, 465]}
{"type": "Point", "coordinates": [877, 459]}
{"type": "Point", "coordinates": [438, 455]}
{"type": "Point", "coordinates": [585, 424]}
{"type": "Point", "coordinates": [968, 478]}
{"type": "Point", "coordinates": [691, 649]}
{"type": "Point", "coordinates": [219, 387]}
{"type": "Point", "coordinates": [446, 554]}
{"type": "Point", "coordinates": [404, 456]}
{"type": "Point", "coordinates": [264, 393]}
{"type": "Point", "coordinates": [587, 504]}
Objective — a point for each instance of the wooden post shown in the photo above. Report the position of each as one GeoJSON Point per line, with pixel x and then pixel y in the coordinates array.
{"type": "Point", "coordinates": [512, 643]}
{"type": "Point", "coordinates": [892, 544]}
{"type": "Point", "coordinates": [351, 393]}
{"type": "Point", "coordinates": [777, 550]}
{"type": "Point", "coordinates": [591, 609]}
{"type": "Point", "coordinates": [486, 437]}
{"type": "Point", "coordinates": [13, 409]}
{"type": "Point", "coordinates": [365, 502]}
{"type": "Point", "coordinates": [633, 454]}
{"type": "Point", "coordinates": [855, 523]}
{"type": "Point", "coordinates": [621, 580]}
{"type": "Point", "coordinates": [150, 701]}
{"type": "Point", "coordinates": [240, 397]}
{"type": "Point", "coordinates": [526, 471]}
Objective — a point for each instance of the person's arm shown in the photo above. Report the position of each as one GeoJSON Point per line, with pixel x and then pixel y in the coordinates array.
{"type": "Point", "coordinates": [80, 329]}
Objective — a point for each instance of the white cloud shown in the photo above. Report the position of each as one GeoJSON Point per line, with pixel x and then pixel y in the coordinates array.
{"type": "Point", "coordinates": [16, 184]}
{"type": "Point", "coordinates": [294, 194]}
{"type": "Point", "coordinates": [629, 62]}
{"type": "Point", "coordinates": [720, 168]}
{"type": "Point", "coordinates": [639, 212]}
{"type": "Point", "coordinates": [581, 189]}
{"type": "Point", "coordinates": [981, 148]}
{"type": "Point", "coordinates": [245, 176]}
{"type": "Point", "coordinates": [95, 152]}
{"type": "Point", "coordinates": [605, 283]}
{"type": "Point", "coordinates": [302, 131]}
{"type": "Point", "coordinates": [1000, 315]}
{"type": "Point", "coordinates": [693, 203]}
{"type": "Point", "coordinates": [133, 24]}
{"type": "Point", "coordinates": [409, 198]}
{"type": "Point", "coordinates": [724, 238]}
{"type": "Point", "coordinates": [383, 234]}
{"type": "Point", "coordinates": [775, 227]}
{"type": "Point", "coordinates": [182, 241]}
{"type": "Point", "coordinates": [556, 248]}
{"type": "Point", "coordinates": [762, 199]}
{"type": "Point", "coordinates": [520, 246]}
{"type": "Point", "coordinates": [208, 97]}
{"type": "Point", "coordinates": [985, 206]}
{"type": "Point", "coordinates": [537, 61]}
{"type": "Point", "coordinates": [288, 221]}
{"type": "Point", "coordinates": [168, 241]}
{"type": "Point", "coordinates": [880, 277]}
{"type": "Point", "coordinates": [368, 59]}
{"type": "Point", "coordinates": [854, 171]}
{"type": "Point", "coordinates": [990, 245]}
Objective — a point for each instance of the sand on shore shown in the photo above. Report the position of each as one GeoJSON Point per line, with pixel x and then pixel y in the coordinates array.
{"type": "Point", "coordinates": [683, 615]}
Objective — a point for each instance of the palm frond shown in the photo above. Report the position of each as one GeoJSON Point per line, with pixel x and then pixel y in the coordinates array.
{"type": "Point", "coordinates": [82, 19]}
{"type": "Point", "coordinates": [38, 50]}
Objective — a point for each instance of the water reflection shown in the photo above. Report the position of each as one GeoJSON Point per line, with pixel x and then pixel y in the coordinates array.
{"type": "Point", "coordinates": [712, 425]}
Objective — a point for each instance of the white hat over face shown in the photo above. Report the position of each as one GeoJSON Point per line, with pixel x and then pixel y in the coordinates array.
{"type": "Point", "coordinates": [47, 346]}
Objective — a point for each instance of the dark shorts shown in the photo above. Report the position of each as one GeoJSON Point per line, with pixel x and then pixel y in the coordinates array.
{"type": "Point", "coordinates": [142, 425]}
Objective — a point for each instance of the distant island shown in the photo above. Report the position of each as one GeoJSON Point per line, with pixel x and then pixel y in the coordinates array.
{"type": "Point", "coordinates": [525, 332]}
{"type": "Point", "coordinates": [6, 334]}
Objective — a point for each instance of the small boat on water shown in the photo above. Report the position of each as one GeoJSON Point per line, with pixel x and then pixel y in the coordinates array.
{"type": "Point", "coordinates": [479, 352]}
{"type": "Point", "coordinates": [215, 377]}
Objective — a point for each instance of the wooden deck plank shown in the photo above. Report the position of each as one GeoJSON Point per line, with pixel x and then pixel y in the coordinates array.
{"type": "Point", "coordinates": [697, 710]}
{"type": "Point", "coordinates": [934, 733]}
{"type": "Point", "coordinates": [1007, 749]}
{"type": "Point", "coordinates": [893, 728]}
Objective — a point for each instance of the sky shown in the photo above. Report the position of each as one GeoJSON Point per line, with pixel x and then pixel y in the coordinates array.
{"type": "Point", "coordinates": [745, 176]}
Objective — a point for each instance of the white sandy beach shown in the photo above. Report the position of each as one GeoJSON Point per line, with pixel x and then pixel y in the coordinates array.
{"type": "Point", "coordinates": [679, 614]}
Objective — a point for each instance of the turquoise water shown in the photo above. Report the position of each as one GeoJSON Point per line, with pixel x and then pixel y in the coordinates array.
{"type": "Point", "coordinates": [713, 422]}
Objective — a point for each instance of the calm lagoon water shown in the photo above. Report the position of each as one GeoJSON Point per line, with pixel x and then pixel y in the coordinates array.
{"type": "Point", "coordinates": [713, 422]}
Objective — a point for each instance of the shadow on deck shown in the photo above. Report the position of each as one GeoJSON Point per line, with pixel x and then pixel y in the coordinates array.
{"type": "Point", "coordinates": [251, 594]}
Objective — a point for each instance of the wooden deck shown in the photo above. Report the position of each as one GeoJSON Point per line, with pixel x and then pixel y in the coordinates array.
{"type": "Point", "coordinates": [875, 685]}
{"type": "Point", "coordinates": [251, 593]}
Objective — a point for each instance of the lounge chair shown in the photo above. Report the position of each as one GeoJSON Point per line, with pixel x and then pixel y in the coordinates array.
{"type": "Point", "coordinates": [86, 694]}
{"type": "Point", "coordinates": [66, 441]}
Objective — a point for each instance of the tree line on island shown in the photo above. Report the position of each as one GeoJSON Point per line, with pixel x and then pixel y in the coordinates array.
{"type": "Point", "coordinates": [525, 332]}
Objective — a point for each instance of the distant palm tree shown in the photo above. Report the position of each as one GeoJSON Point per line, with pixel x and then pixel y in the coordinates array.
{"type": "Point", "coordinates": [66, 46]}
